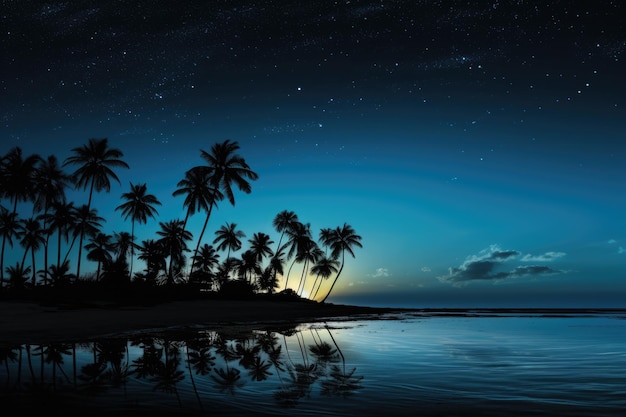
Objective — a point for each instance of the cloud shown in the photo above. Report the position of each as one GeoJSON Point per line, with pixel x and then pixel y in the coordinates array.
{"type": "Point", "coordinates": [426, 269]}
{"type": "Point", "coordinates": [612, 241]}
{"type": "Point", "coordinates": [381, 272]}
{"type": "Point", "coordinates": [546, 257]}
{"type": "Point", "coordinates": [621, 250]}
{"type": "Point", "coordinates": [488, 265]}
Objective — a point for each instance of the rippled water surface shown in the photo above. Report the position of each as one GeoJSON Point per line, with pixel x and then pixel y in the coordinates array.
{"type": "Point", "coordinates": [442, 365]}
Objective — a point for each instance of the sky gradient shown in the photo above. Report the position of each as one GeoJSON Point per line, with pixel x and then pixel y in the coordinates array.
{"type": "Point", "coordinates": [477, 148]}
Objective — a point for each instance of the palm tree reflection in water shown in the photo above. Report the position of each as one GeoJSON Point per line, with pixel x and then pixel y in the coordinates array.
{"type": "Point", "coordinates": [195, 371]}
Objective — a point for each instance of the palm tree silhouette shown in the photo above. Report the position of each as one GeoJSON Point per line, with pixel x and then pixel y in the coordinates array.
{"type": "Point", "coordinates": [151, 252]}
{"type": "Point", "coordinates": [298, 239]}
{"type": "Point", "coordinates": [96, 162]}
{"type": "Point", "coordinates": [18, 176]}
{"type": "Point", "coordinates": [123, 243]}
{"type": "Point", "coordinates": [206, 260]}
{"type": "Point", "coordinates": [310, 253]}
{"type": "Point", "coordinates": [323, 268]}
{"type": "Point", "coordinates": [32, 239]}
{"type": "Point", "coordinates": [285, 220]}
{"type": "Point", "coordinates": [228, 238]}
{"type": "Point", "coordinates": [174, 243]}
{"type": "Point", "coordinates": [62, 219]}
{"type": "Point", "coordinates": [225, 167]}
{"type": "Point", "coordinates": [138, 206]}
{"type": "Point", "coordinates": [9, 228]}
{"type": "Point", "coordinates": [50, 185]}
{"type": "Point", "coordinates": [340, 241]}
{"type": "Point", "coordinates": [99, 248]}
{"type": "Point", "coordinates": [87, 223]}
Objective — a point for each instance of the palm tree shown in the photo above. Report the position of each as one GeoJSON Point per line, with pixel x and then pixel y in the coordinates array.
{"type": "Point", "coordinates": [310, 253]}
{"type": "Point", "coordinates": [32, 239]}
{"type": "Point", "coordinates": [228, 238]}
{"type": "Point", "coordinates": [60, 275]}
{"type": "Point", "coordinates": [96, 161]}
{"type": "Point", "coordinates": [174, 243]}
{"type": "Point", "coordinates": [139, 206]}
{"type": "Point", "coordinates": [99, 248]}
{"type": "Point", "coordinates": [87, 223]}
{"type": "Point", "coordinates": [206, 260]}
{"type": "Point", "coordinates": [198, 191]}
{"type": "Point", "coordinates": [225, 167]}
{"type": "Point", "coordinates": [249, 266]}
{"type": "Point", "coordinates": [260, 245]}
{"type": "Point", "coordinates": [62, 219]}
{"type": "Point", "coordinates": [323, 268]}
{"type": "Point", "coordinates": [123, 244]}
{"type": "Point", "coordinates": [341, 241]}
{"type": "Point", "coordinates": [151, 252]}
{"type": "Point", "coordinates": [284, 221]}
{"type": "Point", "coordinates": [9, 228]}
{"type": "Point", "coordinates": [298, 238]}
{"type": "Point", "coordinates": [18, 176]}
{"type": "Point", "coordinates": [50, 185]}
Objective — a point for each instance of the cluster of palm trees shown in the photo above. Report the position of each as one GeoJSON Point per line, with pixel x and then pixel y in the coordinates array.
{"type": "Point", "coordinates": [38, 185]}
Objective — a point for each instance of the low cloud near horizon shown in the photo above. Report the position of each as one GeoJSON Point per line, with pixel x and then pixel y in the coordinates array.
{"type": "Point", "coordinates": [493, 264]}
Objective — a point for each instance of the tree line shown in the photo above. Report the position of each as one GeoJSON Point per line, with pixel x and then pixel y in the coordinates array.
{"type": "Point", "coordinates": [42, 183]}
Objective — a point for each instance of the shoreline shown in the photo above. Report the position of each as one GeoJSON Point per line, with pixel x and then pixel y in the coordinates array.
{"type": "Point", "coordinates": [32, 322]}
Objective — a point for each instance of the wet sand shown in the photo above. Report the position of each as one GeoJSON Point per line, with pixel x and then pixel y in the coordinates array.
{"type": "Point", "coordinates": [27, 322]}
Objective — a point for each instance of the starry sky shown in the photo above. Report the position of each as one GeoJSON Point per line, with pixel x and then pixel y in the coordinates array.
{"type": "Point", "coordinates": [477, 148]}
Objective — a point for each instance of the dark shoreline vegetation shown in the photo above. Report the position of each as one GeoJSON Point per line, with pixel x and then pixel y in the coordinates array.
{"type": "Point", "coordinates": [55, 235]}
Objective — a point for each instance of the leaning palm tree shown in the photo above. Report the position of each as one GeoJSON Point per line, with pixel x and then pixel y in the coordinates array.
{"type": "Point", "coordinates": [298, 238]}
{"type": "Point", "coordinates": [31, 239]}
{"type": "Point", "coordinates": [87, 223]}
{"type": "Point", "coordinates": [342, 240]}
{"type": "Point", "coordinates": [284, 221]}
{"type": "Point", "coordinates": [225, 167]}
{"type": "Point", "coordinates": [138, 206]}
{"type": "Point", "coordinates": [174, 243]}
{"type": "Point", "coordinates": [9, 228]}
{"type": "Point", "coordinates": [95, 160]}
{"type": "Point", "coordinates": [307, 255]}
{"type": "Point", "coordinates": [323, 269]}
{"type": "Point", "coordinates": [198, 192]}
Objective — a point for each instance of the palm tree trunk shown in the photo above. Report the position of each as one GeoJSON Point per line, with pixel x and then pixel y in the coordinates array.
{"type": "Point", "coordinates": [288, 272]}
{"type": "Point", "coordinates": [80, 252]}
{"type": "Point", "coordinates": [336, 277]}
{"type": "Point", "coordinates": [132, 248]}
{"type": "Point", "coordinates": [32, 257]}
{"type": "Point", "coordinates": [206, 221]}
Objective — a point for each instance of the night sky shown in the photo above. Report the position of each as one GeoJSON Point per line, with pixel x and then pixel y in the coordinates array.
{"type": "Point", "coordinates": [478, 148]}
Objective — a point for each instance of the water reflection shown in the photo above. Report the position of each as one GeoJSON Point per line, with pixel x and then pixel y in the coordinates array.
{"type": "Point", "coordinates": [180, 371]}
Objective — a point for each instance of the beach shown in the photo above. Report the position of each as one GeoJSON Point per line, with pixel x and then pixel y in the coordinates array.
{"type": "Point", "coordinates": [29, 322]}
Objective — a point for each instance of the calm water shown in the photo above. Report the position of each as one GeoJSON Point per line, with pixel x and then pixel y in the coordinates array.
{"type": "Point", "coordinates": [444, 365]}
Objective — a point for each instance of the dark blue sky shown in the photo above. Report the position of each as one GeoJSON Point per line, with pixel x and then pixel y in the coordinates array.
{"type": "Point", "coordinates": [477, 147]}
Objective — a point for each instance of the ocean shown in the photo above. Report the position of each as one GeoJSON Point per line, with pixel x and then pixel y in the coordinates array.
{"type": "Point", "coordinates": [427, 363]}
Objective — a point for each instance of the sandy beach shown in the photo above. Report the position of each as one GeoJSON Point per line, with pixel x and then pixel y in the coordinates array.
{"type": "Point", "coordinates": [27, 322]}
